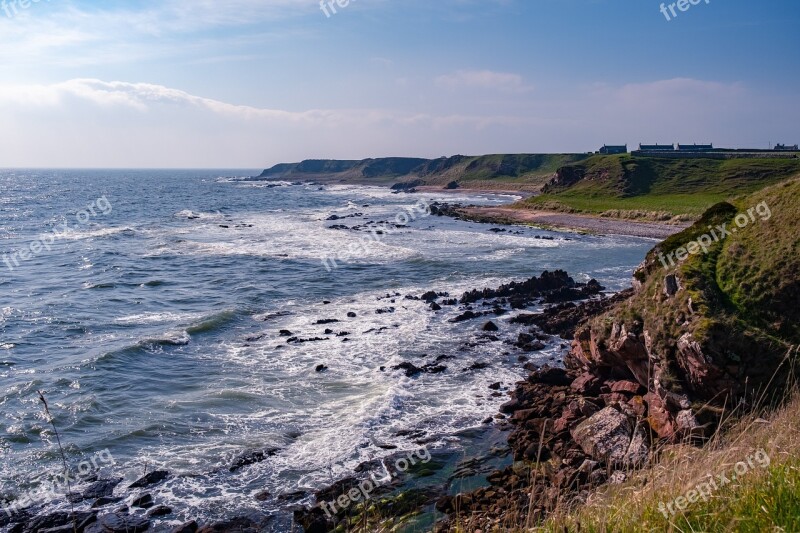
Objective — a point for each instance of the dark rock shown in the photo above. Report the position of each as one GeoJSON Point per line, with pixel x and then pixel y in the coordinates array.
{"type": "Point", "coordinates": [144, 501]}
{"type": "Point", "coordinates": [467, 315]}
{"type": "Point", "coordinates": [586, 384]}
{"type": "Point", "coordinates": [188, 527]}
{"type": "Point", "coordinates": [52, 520]}
{"type": "Point", "coordinates": [252, 458]}
{"type": "Point", "coordinates": [435, 307]}
{"type": "Point", "coordinates": [321, 368]}
{"type": "Point", "coordinates": [412, 370]}
{"type": "Point", "coordinates": [313, 520]}
{"type": "Point", "coordinates": [123, 523]}
{"type": "Point", "coordinates": [326, 321]}
{"type": "Point", "coordinates": [101, 488]}
{"type": "Point", "coordinates": [161, 510]}
{"type": "Point", "coordinates": [150, 479]}
{"type": "Point", "coordinates": [286, 333]}
{"type": "Point", "coordinates": [351, 315]}
{"type": "Point", "coordinates": [105, 500]}
{"type": "Point", "coordinates": [429, 296]}
{"type": "Point", "coordinates": [490, 326]}
{"type": "Point", "coordinates": [671, 285]}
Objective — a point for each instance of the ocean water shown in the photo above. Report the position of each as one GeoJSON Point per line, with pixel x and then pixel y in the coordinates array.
{"type": "Point", "coordinates": [151, 323]}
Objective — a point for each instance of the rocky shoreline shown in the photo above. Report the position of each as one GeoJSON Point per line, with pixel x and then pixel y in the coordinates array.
{"type": "Point", "coordinates": [609, 409]}
{"type": "Point", "coordinates": [104, 505]}
{"type": "Point", "coordinates": [571, 303]}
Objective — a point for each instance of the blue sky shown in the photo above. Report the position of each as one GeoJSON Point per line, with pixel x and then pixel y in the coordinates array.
{"type": "Point", "coordinates": [249, 83]}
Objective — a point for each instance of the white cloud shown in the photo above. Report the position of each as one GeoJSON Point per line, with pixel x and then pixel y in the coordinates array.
{"type": "Point", "coordinates": [91, 122]}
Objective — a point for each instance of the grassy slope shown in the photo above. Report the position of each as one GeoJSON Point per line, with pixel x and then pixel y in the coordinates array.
{"type": "Point", "coordinates": [512, 169]}
{"type": "Point", "coordinates": [670, 186]}
{"type": "Point", "coordinates": [744, 294]}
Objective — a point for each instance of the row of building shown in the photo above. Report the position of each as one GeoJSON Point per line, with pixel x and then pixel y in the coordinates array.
{"type": "Point", "coordinates": [688, 148]}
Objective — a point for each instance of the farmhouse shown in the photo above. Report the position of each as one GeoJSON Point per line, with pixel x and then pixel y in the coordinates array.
{"type": "Point", "coordinates": [657, 147]}
{"type": "Point", "coordinates": [614, 149]}
{"type": "Point", "coordinates": [695, 147]}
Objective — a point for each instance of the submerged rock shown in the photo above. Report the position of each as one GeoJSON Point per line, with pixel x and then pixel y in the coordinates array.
{"type": "Point", "coordinates": [252, 458]}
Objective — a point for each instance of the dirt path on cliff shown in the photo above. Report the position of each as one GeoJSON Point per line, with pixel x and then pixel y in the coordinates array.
{"type": "Point", "coordinates": [588, 223]}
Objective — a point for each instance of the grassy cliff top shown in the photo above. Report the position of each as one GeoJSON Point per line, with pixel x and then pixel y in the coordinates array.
{"type": "Point", "coordinates": [663, 188]}
{"type": "Point", "coordinates": [738, 280]}
{"type": "Point", "coordinates": [510, 170]}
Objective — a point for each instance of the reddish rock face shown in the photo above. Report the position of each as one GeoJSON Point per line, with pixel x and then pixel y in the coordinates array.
{"type": "Point", "coordinates": [586, 384]}
{"type": "Point", "coordinates": [626, 386]}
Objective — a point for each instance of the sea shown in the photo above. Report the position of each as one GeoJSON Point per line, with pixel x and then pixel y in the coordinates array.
{"type": "Point", "coordinates": [176, 320]}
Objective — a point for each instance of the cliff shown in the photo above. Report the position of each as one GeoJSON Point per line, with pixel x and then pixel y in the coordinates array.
{"type": "Point", "coordinates": [708, 330]}
{"type": "Point", "coordinates": [520, 170]}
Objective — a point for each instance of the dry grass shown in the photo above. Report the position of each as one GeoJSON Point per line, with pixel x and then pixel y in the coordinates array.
{"type": "Point", "coordinates": [765, 498]}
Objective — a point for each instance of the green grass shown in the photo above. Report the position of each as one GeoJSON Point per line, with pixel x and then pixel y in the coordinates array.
{"type": "Point", "coordinates": [771, 502]}
{"type": "Point", "coordinates": [674, 204]}
{"type": "Point", "coordinates": [765, 498]}
{"type": "Point", "coordinates": [666, 186]}
{"type": "Point", "coordinates": [496, 169]}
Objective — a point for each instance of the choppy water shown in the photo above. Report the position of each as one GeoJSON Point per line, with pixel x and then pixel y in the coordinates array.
{"type": "Point", "coordinates": [153, 325]}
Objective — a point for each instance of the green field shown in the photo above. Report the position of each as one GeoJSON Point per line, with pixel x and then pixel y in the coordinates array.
{"type": "Point", "coordinates": [667, 186]}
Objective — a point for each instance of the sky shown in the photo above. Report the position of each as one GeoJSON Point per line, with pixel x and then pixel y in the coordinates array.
{"type": "Point", "coordinates": [252, 83]}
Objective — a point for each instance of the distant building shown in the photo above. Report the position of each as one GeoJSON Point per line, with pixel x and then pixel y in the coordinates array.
{"type": "Point", "coordinates": [657, 147]}
{"type": "Point", "coordinates": [695, 147]}
{"type": "Point", "coordinates": [784, 148]}
{"type": "Point", "coordinates": [609, 150]}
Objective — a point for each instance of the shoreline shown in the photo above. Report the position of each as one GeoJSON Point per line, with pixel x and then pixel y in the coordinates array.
{"type": "Point", "coordinates": [570, 222]}
{"type": "Point", "coordinates": [462, 190]}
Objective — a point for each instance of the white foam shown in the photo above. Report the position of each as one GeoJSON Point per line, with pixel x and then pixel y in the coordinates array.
{"type": "Point", "coordinates": [74, 235]}
{"type": "Point", "coordinates": [154, 318]}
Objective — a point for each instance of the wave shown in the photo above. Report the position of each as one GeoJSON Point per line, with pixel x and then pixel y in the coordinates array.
{"type": "Point", "coordinates": [212, 323]}
{"type": "Point", "coordinates": [98, 286]}
{"type": "Point", "coordinates": [171, 338]}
